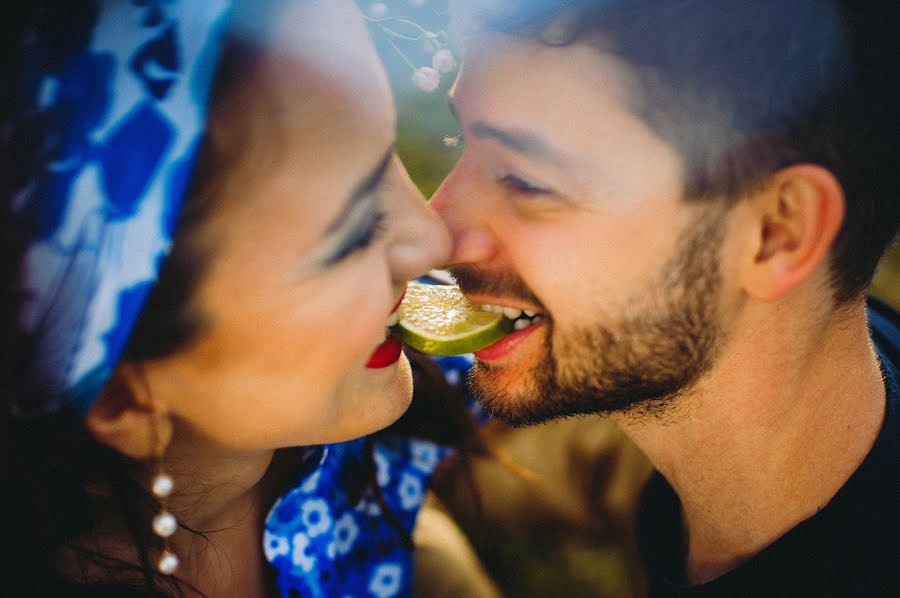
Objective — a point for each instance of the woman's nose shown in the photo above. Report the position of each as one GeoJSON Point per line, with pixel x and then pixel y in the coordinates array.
{"type": "Point", "coordinates": [419, 241]}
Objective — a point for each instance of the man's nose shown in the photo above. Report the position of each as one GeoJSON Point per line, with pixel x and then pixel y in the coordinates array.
{"type": "Point", "coordinates": [460, 205]}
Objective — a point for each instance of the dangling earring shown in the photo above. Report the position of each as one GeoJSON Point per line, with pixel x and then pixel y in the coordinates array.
{"type": "Point", "coordinates": [164, 523]}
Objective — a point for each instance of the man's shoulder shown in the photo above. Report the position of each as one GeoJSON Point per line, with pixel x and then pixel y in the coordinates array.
{"type": "Point", "coordinates": [884, 322]}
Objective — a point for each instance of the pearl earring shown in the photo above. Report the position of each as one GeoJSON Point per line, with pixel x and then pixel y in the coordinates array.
{"type": "Point", "coordinates": [164, 523]}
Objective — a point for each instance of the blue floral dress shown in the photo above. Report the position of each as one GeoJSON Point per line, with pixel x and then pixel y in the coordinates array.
{"type": "Point", "coordinates": [326, 543]}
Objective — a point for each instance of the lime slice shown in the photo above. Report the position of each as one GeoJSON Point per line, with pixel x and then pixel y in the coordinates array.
{"type": "Point", "coordinates": [438, 319]}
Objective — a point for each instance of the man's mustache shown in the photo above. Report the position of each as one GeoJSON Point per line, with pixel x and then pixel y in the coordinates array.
{"type": "Point", "coordinates": [479, 281]}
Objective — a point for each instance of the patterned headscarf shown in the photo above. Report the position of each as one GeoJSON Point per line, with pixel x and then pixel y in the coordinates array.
{"type": "Point", "coordinates": [108, 109]}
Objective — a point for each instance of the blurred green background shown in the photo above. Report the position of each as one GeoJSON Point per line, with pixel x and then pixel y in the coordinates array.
{"type": "Point", "coordinates": [536, 561]}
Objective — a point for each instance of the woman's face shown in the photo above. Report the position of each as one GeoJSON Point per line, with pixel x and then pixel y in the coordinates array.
{"type": "Point", "coordinates": [314, 234]}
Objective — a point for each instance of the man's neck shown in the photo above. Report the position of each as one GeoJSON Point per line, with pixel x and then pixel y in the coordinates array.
{"type": "Point", "coordinates": [788, 413]}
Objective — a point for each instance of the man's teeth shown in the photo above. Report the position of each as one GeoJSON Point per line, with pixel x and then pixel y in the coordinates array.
{"type": "Point", "coordinates": [523, 318]}
{"type": "Point", "coordinates": [511, 312]}
{"type": "Point", "coordinates": [393, 318]}
{"type": "Point", "coordinates": [521, 324]}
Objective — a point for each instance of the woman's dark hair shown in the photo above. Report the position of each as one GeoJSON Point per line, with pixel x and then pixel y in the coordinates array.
{"type": "Point", "coordinates": [742, 89]}
{"type": "Point", "coordinates": [57, 479]}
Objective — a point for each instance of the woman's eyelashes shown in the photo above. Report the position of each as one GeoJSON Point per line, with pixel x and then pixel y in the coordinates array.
{"type": "Point", "coordinates": [361, 237]}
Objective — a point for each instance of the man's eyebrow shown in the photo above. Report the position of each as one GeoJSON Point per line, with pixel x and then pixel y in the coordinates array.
{"type": "Point", "coordinates": [522, 142]}
{"type": "Point", "coordinates": [363, 190]}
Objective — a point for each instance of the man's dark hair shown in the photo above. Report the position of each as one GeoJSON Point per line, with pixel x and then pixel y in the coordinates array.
{"type": "Point", "coordinates": [744, 88]}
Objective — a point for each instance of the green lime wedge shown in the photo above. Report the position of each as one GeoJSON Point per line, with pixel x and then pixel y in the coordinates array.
{"type": "Point", "coordinates": [438, 319]}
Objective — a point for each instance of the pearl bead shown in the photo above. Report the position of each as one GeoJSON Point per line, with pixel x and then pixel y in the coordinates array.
{"type": "Point", "coordinates": [162, 486]}
{"type": "Point", "coordinates": [168, 563]}
{"type": "Point", "coordinates": [164, 524]}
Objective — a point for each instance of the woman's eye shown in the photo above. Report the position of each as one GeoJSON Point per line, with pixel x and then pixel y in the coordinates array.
{"type": "Point", "coordinates": [521, 186]}
{"type": "Point", "coordinates": [361, 238]}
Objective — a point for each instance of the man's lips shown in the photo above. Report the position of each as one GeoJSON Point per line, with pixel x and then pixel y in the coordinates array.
{"type": "Point", "coordinates": [507, 344]}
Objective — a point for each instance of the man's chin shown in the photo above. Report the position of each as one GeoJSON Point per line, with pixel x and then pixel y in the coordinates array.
{"type": "Point", "coordinates": [530, 398]}
{"type": "Point", "coordinates": [511, 399]}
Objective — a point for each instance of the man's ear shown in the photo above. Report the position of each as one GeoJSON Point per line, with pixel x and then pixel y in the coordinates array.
{"type": "Point", "coordinates": [125, 418]}
{"type": "Point", "coordinates": [795, 220]}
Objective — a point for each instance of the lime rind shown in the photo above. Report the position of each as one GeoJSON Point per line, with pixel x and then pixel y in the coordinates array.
{"type": "Point", "coordinates": [439, 320]}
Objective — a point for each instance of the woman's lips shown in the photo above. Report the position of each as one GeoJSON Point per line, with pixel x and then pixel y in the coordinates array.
{"type": "Point", "coordinates": [386, 354]}
{"type": "Point", "coordinates": [507, 344]}
{"type": "Point", "coordinates": [399, 301]}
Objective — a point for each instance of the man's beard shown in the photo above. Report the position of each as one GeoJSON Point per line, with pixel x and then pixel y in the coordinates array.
{"type": "Point", "coordinates": [652, 355]}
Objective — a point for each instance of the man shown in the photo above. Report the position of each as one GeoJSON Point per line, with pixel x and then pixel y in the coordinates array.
{"type": "Point", "coordinates": [687, 201]}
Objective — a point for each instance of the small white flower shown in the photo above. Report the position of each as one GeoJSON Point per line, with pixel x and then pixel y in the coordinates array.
{"type": "Point", "coordinates": [316, 517]}
{"type": "Point", "coordinates": [431, 45]}
{"type": "Point", "coordinates": [426, 78]}
{"type": "Point", "coordinates": [377, 10]}
{"type": "Point", "coordinates": [443, 61]}
{"type": "Point", "coordinates": [451, 141]}
{"type": "Point", "coordinates": [275, 546]}
{"type": "Point", "coordinates": [410, 491]}
{"type": "Point", "coordinates": [424, 455]}
{"type": "Point", "coordinates": [345, 533]}
{"type": "Point", "coordinates": [386, 580]}
{"type": "Point", "coordinates": [299, 557]}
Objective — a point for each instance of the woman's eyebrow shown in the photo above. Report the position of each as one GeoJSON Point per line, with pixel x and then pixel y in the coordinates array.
{"type": "Point", "coordinates": [363, 190]}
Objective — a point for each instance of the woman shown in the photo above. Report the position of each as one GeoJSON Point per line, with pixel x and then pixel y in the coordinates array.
{"type": "Point", "coordinates": [266, 327]}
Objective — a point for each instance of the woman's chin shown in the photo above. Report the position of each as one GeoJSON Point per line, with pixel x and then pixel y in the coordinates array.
{"type": "Point", "coordinates": [390, 398]}
{"type": "Point", "coordinates": [384, 396]}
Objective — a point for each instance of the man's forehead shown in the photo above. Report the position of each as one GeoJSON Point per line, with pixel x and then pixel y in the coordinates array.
{"type": "Point", "coordinates": [496, 64]}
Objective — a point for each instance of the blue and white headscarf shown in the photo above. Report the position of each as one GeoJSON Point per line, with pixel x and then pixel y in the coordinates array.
{"type": "Point", "coordinates": [108, 110]}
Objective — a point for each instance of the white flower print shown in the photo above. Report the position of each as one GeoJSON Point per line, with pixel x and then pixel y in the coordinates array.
{"type": "Point", "coordinates": [424, 455]}
{"type": "Point", "coordinates": [410, 491]}
{"type": "Point", "coordinates": [309, 484]}
{"type": "Point", "coordinates": [369, 507]}
{"type": "Point", "coordinates": [345, 533]}
{"type": "Point", "coordinates": [299, 557]}
{"type": "Point", "coordinates": [315, 516]}
{"type": "Point", "coordinates": [382, 469]}
{"type": "Point", "coordinates": [452, 376]}
{"type": "Point", "coordinates": [275, 546]}
{"type": "Point", "coordinates": [386, 580]}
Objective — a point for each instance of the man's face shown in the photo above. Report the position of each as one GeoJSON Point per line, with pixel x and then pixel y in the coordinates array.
{"type": "Point", "coordinates": [565, 204]}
